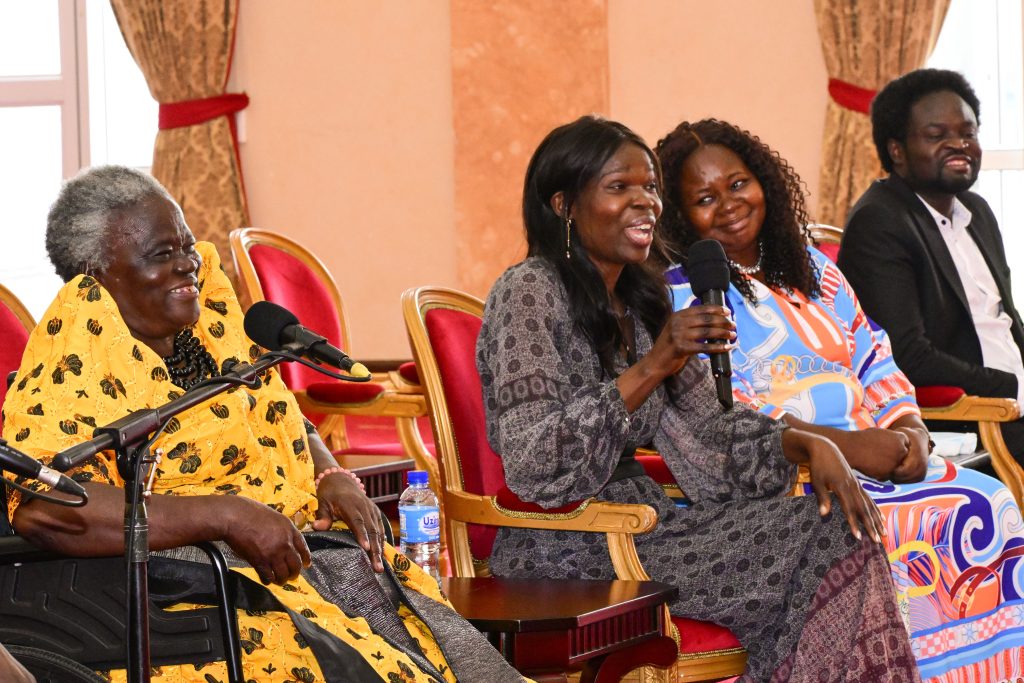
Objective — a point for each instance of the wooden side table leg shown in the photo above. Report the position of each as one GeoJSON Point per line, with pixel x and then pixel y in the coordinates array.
{"type": "Point", "coordinates": [611, 668]}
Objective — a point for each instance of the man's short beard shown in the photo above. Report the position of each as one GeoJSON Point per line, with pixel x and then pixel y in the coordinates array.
{"type": "Point", "coordinates": [950, 185]}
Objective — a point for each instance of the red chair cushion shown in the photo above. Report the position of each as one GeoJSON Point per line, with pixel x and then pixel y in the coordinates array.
{"type": "Point", "coordinates": [655, 467]}
{"type": "Point", "coordinates": [703, 636]}
{"type": "Point", "coordinates": [938, 396]}
{"type": "Point", "coordinates": [829, 249]}
{"type": "Point", "coordinates": [372, 435]}
{"type": "Point", "coordinates": [15, 337]}
{"type": "Point", "coordinates": [409, 373]}
{"type": "Point", "coordinates": [453, 337]}
{"type": "Point", "coordinates": [344, 392]}
{"type": "Point", "coordinates": [288, 282]}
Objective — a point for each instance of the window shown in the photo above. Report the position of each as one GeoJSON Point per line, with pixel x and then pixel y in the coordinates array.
{"type": "Point", "coordinates": [70, 96]}
{"type": "Point", "coordinates": [983, 41]}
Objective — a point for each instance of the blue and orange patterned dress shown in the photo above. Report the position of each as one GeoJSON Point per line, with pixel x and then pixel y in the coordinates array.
{"type": "Point", "coordinates": [956, 539]}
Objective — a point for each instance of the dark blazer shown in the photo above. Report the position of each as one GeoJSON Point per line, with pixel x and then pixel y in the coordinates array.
{"type": "Point", "coordinates": [895, 258]}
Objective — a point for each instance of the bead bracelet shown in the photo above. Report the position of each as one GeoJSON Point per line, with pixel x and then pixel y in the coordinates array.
{"type": "Point", "coordinates": [339, 470]}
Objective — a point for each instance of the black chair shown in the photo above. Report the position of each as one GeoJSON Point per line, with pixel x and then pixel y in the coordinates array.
{"type": "Point", "coordinates": [75, 608]}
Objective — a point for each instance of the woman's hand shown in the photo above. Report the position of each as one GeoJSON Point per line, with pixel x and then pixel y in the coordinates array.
{"type": "Point", "coordinates": [11, 669]}
{"type": "Point", "coordinates": [875, 452]}
{"type": "Point", "coordinates": [342, 499]}
{"type": "Point", "coordinates": [831, 474]}
{"type": "Point", "coordinates": [263, 537]}
{"type": "Point", "coordinates": [682, 337]}
{"type": "Point", "coordinates": [914, 465]}
{"type": "Point", "coordinates": [685, 333]}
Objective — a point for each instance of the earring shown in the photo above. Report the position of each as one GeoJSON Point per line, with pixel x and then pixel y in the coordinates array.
{"type": "Point", "coordinates": [568, 234]}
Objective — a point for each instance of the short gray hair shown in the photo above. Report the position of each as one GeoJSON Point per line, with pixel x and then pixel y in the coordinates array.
{"type": "Point", "coordinates": [78, 222]}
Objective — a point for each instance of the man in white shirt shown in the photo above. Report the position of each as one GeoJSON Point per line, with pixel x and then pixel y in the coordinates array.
{"type": "Point", "coordinates": [925, 255]}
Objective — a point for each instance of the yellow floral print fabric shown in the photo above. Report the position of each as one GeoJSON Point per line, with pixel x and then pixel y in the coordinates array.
{"type": "Point", "coordinates": [83, 369]}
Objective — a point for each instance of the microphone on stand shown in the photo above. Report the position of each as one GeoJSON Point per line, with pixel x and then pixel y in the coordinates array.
{"type": "Point", "coordinates": [708, 269]}
{"type": "Point", "coordinates": [17, 462]}
{"type": "Point", "coordinates": [273, 327]}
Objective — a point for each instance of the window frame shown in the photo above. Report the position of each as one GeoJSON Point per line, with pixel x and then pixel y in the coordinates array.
{"type": "Point", "coordinates": [69, 89]}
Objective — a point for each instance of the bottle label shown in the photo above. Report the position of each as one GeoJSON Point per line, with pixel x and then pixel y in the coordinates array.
{"type": "Point", "coordinates": [420, 524]}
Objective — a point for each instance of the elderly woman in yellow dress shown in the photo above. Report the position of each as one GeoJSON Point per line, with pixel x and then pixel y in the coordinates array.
{"type": "Point", "coordinates": [146, 314]}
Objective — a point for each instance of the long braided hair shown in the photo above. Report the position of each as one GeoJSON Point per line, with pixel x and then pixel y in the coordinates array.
{"type": "Point", "coordinates": [784, 234]}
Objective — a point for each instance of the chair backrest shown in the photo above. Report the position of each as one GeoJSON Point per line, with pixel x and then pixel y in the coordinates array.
{"type": "Point", "coordinates": [275, 268]}
{"type": "Point", "coordinates": [828, 238]}
{"type": "Point", "coordinates": [443, 326]}
{"type": "Point", "coordinates": [15, 324]}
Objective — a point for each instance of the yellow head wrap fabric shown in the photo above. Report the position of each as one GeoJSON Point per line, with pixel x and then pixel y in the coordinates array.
{"type": "Point", "coordinates": [83, 369]}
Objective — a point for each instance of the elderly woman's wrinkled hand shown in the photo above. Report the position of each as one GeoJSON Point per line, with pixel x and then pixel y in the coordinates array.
{"type": "Point", "coordinates": [265, 539]}
{"type": "Point", "coordinates": [341, 499]}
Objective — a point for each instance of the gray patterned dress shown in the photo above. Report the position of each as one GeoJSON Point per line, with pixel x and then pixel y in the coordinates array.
{"type": "Point", "coordinates": [808, 601]}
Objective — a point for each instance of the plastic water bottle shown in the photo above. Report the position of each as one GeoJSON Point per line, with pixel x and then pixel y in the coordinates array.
{"type": "Point", "coordinates": [420, 520]}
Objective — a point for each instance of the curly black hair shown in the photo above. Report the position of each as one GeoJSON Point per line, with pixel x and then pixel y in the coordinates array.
{"type": "Point", "coordinates": [566, 161]}
{"type": "Point", "coordinates": [890, 110]}
{"type": "Point", "coordinates": [784, 234]}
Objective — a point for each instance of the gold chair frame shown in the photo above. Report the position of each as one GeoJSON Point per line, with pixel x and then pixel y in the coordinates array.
{"type": "Point", "coordinates": [620, 522]}
{"type": "Point", "coordinates": [986, 411]}
{"type": "Point", "coordinates": [8, 299]}
{"type": "Point", "coordinates": [401, 399]}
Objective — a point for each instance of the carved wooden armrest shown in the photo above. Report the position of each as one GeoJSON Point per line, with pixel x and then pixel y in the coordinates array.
{"type": "Point", "coordinates": [951, 403]}
{"type": "Point", "coordinates": [969, 408]}
{"type": "Point", "coordinates": [619, 521]}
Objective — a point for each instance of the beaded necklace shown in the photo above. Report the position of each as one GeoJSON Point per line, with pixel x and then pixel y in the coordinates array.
{"type": "Point", "coordinates": [749, 270]}
{"type": "Point", "coordinates": [190, 363]}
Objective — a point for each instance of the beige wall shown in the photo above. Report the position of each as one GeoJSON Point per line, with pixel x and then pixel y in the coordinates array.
{"type": "Point", "coordinates": [349, 146]}
{"type": "Point", "coordinates": [753, 63]}
{"type": "Point", "coordinates": [519, 69]}
{"type": "Point", "coordinates": [356, 146]}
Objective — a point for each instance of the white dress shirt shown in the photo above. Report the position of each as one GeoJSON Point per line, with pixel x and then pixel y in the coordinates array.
{"type": "Point", "coordinates": [998, 349]}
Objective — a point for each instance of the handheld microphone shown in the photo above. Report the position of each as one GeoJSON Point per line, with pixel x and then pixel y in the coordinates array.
{"type": "Point", "coordinates": [709, 278]}
{"type": "Point", "coordinates": [17, 462]}
{"type": "Point", "coordinates": [272, 327]}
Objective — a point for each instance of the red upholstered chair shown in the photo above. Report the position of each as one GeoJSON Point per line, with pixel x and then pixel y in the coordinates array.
{"type": "Point", "coordinates": [443, 326]}
{"type": "Point", "coordinates": [15, 324]}
{"type": "Point", "coordinates": [375, 418]}
{"type": "Point", "coordinates": [953, 403]}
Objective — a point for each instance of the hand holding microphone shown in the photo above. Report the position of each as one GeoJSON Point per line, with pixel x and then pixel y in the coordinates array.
{"type": "Point", "coordinates": [708, 269]}
{"type": "Point", "coordinates": [705, 328]}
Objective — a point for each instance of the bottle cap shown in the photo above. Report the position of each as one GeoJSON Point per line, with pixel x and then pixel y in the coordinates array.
{"type": "Point", "coordinates": [418, 477]}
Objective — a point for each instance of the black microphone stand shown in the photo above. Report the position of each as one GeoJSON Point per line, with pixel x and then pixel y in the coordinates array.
{"type": "Point", "coordinates": [126, 437]}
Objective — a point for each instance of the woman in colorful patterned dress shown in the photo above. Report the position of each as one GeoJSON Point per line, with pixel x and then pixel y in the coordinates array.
{"type": "Point", "coordinates": [807, 355]}
{"type": "Point", "coordinates": [145, 315]}
{"type": "Point", "coordinates": [582, 361]}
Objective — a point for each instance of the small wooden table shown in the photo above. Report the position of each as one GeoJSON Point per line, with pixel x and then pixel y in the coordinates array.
{"type": "Point", "coordinates": [545, 628]}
